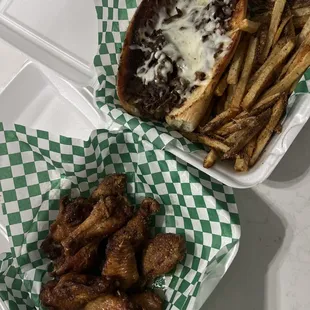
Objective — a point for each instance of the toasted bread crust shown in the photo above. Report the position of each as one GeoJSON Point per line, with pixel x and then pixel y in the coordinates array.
{"type": "Point", "coordinates": [188, 116]}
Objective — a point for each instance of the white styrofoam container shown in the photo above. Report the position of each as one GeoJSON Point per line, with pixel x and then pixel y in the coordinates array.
{"type": "Point", "coordinates": [53, 88]}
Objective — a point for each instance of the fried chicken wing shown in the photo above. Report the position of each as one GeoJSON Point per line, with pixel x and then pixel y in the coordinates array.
{"type": "Point", "coordinates": [74, 291]}
{"type": "Point", "coordinates": [162, 254]}
{"type": "Point", "coordinates": [107, 216]}
{"type": "Point", "coordinates": [137, 230]}
{"type": "Point", "coordinates": [83, 260]}
{"type": "Point", "coordinates": [121, 263]}
{"type": "Point", "coordinates": [111, 185]}
{"type": "Point", "coordinates": [147, 300]}
{"type": "Point", "coordinates": [120, 255]}
{"type": "Point", "coordinates": [111, 302]}
{"type": "Point", "coordinates": [71, 214]}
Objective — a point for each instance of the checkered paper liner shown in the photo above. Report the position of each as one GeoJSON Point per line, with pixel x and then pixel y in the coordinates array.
{"type": "Point", "coordinates": [113, 20]}
{"type": "Point", "coordinates": [37, 168]}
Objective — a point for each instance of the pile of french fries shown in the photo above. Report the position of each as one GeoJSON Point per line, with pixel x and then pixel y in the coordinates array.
{"type": "Point", "coordinates": [250, 100]}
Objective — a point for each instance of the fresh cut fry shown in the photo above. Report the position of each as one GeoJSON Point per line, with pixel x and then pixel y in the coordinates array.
{"type": "Point", "coordinates": [220, 120]}
{"type": "Point", "coordinates": [235, 126]}
{"type": "Point", "coordinates": [266, 134]}
{"type": "Point", "coordinates": [301, 11]}
{"type": "Point", "coordinates": [248, 65]}
{"type": "Point", "coordinates": [262, 39]}
{"type": "Point", "coordinates": [265, 76]}
{"type": "Point", "coordinates": [230, 94]}
{"type": "Point", "coordinates": [277, 11]}
{"type": "Point", "coordinates": [210, 159]}
{"type": "Point", "coordinates": [237, 62]}
{"type": "Point", "coordinates": [276, 50]}
{"type": "Point", "coordinates": [285, 84]}
{"type": "Point", "coordinates": [221, 86]}
{"type": "Point", "coordinates": [213, 143]}
{"type": "Point", "coordinates": [244, 136]}
{"type": "Point", "coordinates": [296, 58]}
{"type": "Point", "coordinates": [305, 32]}
{"type": "Point", "coordinates": [280, 29]}
{"type": "Point", "coordinates": [301, 21]}
{"type": "Point", "coordinates": [249, 26]}
{"type": "Point", "coordinates": [243, 159]}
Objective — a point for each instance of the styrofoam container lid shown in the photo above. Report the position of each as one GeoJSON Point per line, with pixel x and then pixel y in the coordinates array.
{"type": "Point", "coordinates": [67, 46]}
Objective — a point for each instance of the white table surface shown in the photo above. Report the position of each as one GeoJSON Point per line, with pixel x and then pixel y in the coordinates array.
{"type": "Point", "coordinates": [272, 269]}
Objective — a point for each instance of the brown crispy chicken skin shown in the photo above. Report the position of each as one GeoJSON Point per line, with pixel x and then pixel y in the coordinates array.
{"type": "Point", "coordinates": [162, 254]}
{"type": "Point", "coordinates": [121, 263]}
{"type": "Point", "coordinates": [108, 215]}
{"type": "Point", "coordinates": [83, 260]}
{"type": "Point", "coordinates": [137, 229]}
{"type": "Point", "coordinates": [71, 214]}
{"type": "Point", "coordinates": [120, 255]}
{"type": "Point", "coordinates": [111, 302]}
{"type": "Point", "coordinates": [73, 291]}
{"type": "Point", "coordinates": [147, 300]}
{"type": "Point", "coordinates": [111, 185]}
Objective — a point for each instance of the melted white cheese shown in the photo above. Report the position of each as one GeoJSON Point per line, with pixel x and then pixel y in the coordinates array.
{"type": "Point", "coordinates": [185, 45]}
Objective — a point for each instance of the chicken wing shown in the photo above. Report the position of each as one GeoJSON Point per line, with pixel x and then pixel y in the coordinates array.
{"type": "Point", "coordinates": [121, 263]}
{"type": "Point", "coordinates": [74, 291]}
{"type": "Point", "coordinates": [111, 302]}
{"type": "Point", "coordinates": [111, 185]}
{"type": "Point", "coordinates": [137, 230]}
{"type": "Point", "coordinates": [162, 254]}
{"type": "Point", "coordinates": [71, 214]}
{"type": "Point", "coordinates": [147, 300]}
{"type": "Point", "coordinates": [108, 215]}
{"type": "Point", "coordinates": [83, 260]}
{"type": "Point", "coordinates": [120, 255]}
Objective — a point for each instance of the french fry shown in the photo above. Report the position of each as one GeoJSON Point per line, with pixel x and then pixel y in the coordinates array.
{"type": "Point", "coordinates": [235, 126]}
{"type": "Point", "coordinates": [303, 49]}
{"type": "Point", "coordinates": [213, 143]}
{"type": "Point", "coordinates": [305, 32]}
{"type": "Point", "coordinates": [274, 53]}
{"type": "Point", "coordinates": [264, 104]}
{"type": "Point", "coordinates": [289, 29]}
{"type": "Point", "coordinates": [249, 26]}
{"type": "Point", "coordinates": [221, 86]}
{"type": "Point", "coordinates": [219, 120]}
{"type": "Point", "coordinates": [266, 134]}
{"type": "Point", "coordinates": [258, 108]}
{"type": "Point", "coordinates": [277, 11]}
{"type": "Point", "coordinates": [237, 135]}
{"type": "Point", "coordinates": [300, 22]}
{"type": "Point", "coordinates": [230, 94]}
{"type": "Point", "coordinates": [301, 11]}
{"type": "Point", "coordinates": [280, 29]}
{"type": "Point", "coordinates": [248, 65]}
{"type": "Point", "coordinates": [237, 62]}
{"type": "Point", "coordinates": [210, 159]}
{"type": "Point", "coordinates": [243, 159]}
{"type": "Point", "coordinates": [244, 136]}
{"type": "Point", "coordinates": [265, 76]}
{"type": "Point", "coordinates": [296, 4]}
{"type": "Point", "coordinates": [292, 76]}
{"type": "Point", "coordinates": [278, 128]}
{"type": "Point", "coordinates": [207, 115]}
{"type": "Point", "coordinates": [262, 39]}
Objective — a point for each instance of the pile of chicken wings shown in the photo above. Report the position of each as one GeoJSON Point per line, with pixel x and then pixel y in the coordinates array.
{"type": "Point", "coordinates": [102, 253]}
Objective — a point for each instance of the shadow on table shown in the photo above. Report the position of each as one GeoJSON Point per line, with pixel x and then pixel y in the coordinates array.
{"type": "Point", "coordinates": [244, 287]}
{"type": "Point", "coordinates": [295, 163]}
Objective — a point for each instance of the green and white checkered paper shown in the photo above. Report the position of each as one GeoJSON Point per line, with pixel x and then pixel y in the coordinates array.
{"type": "Point", "coordinates": [38, 168]}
